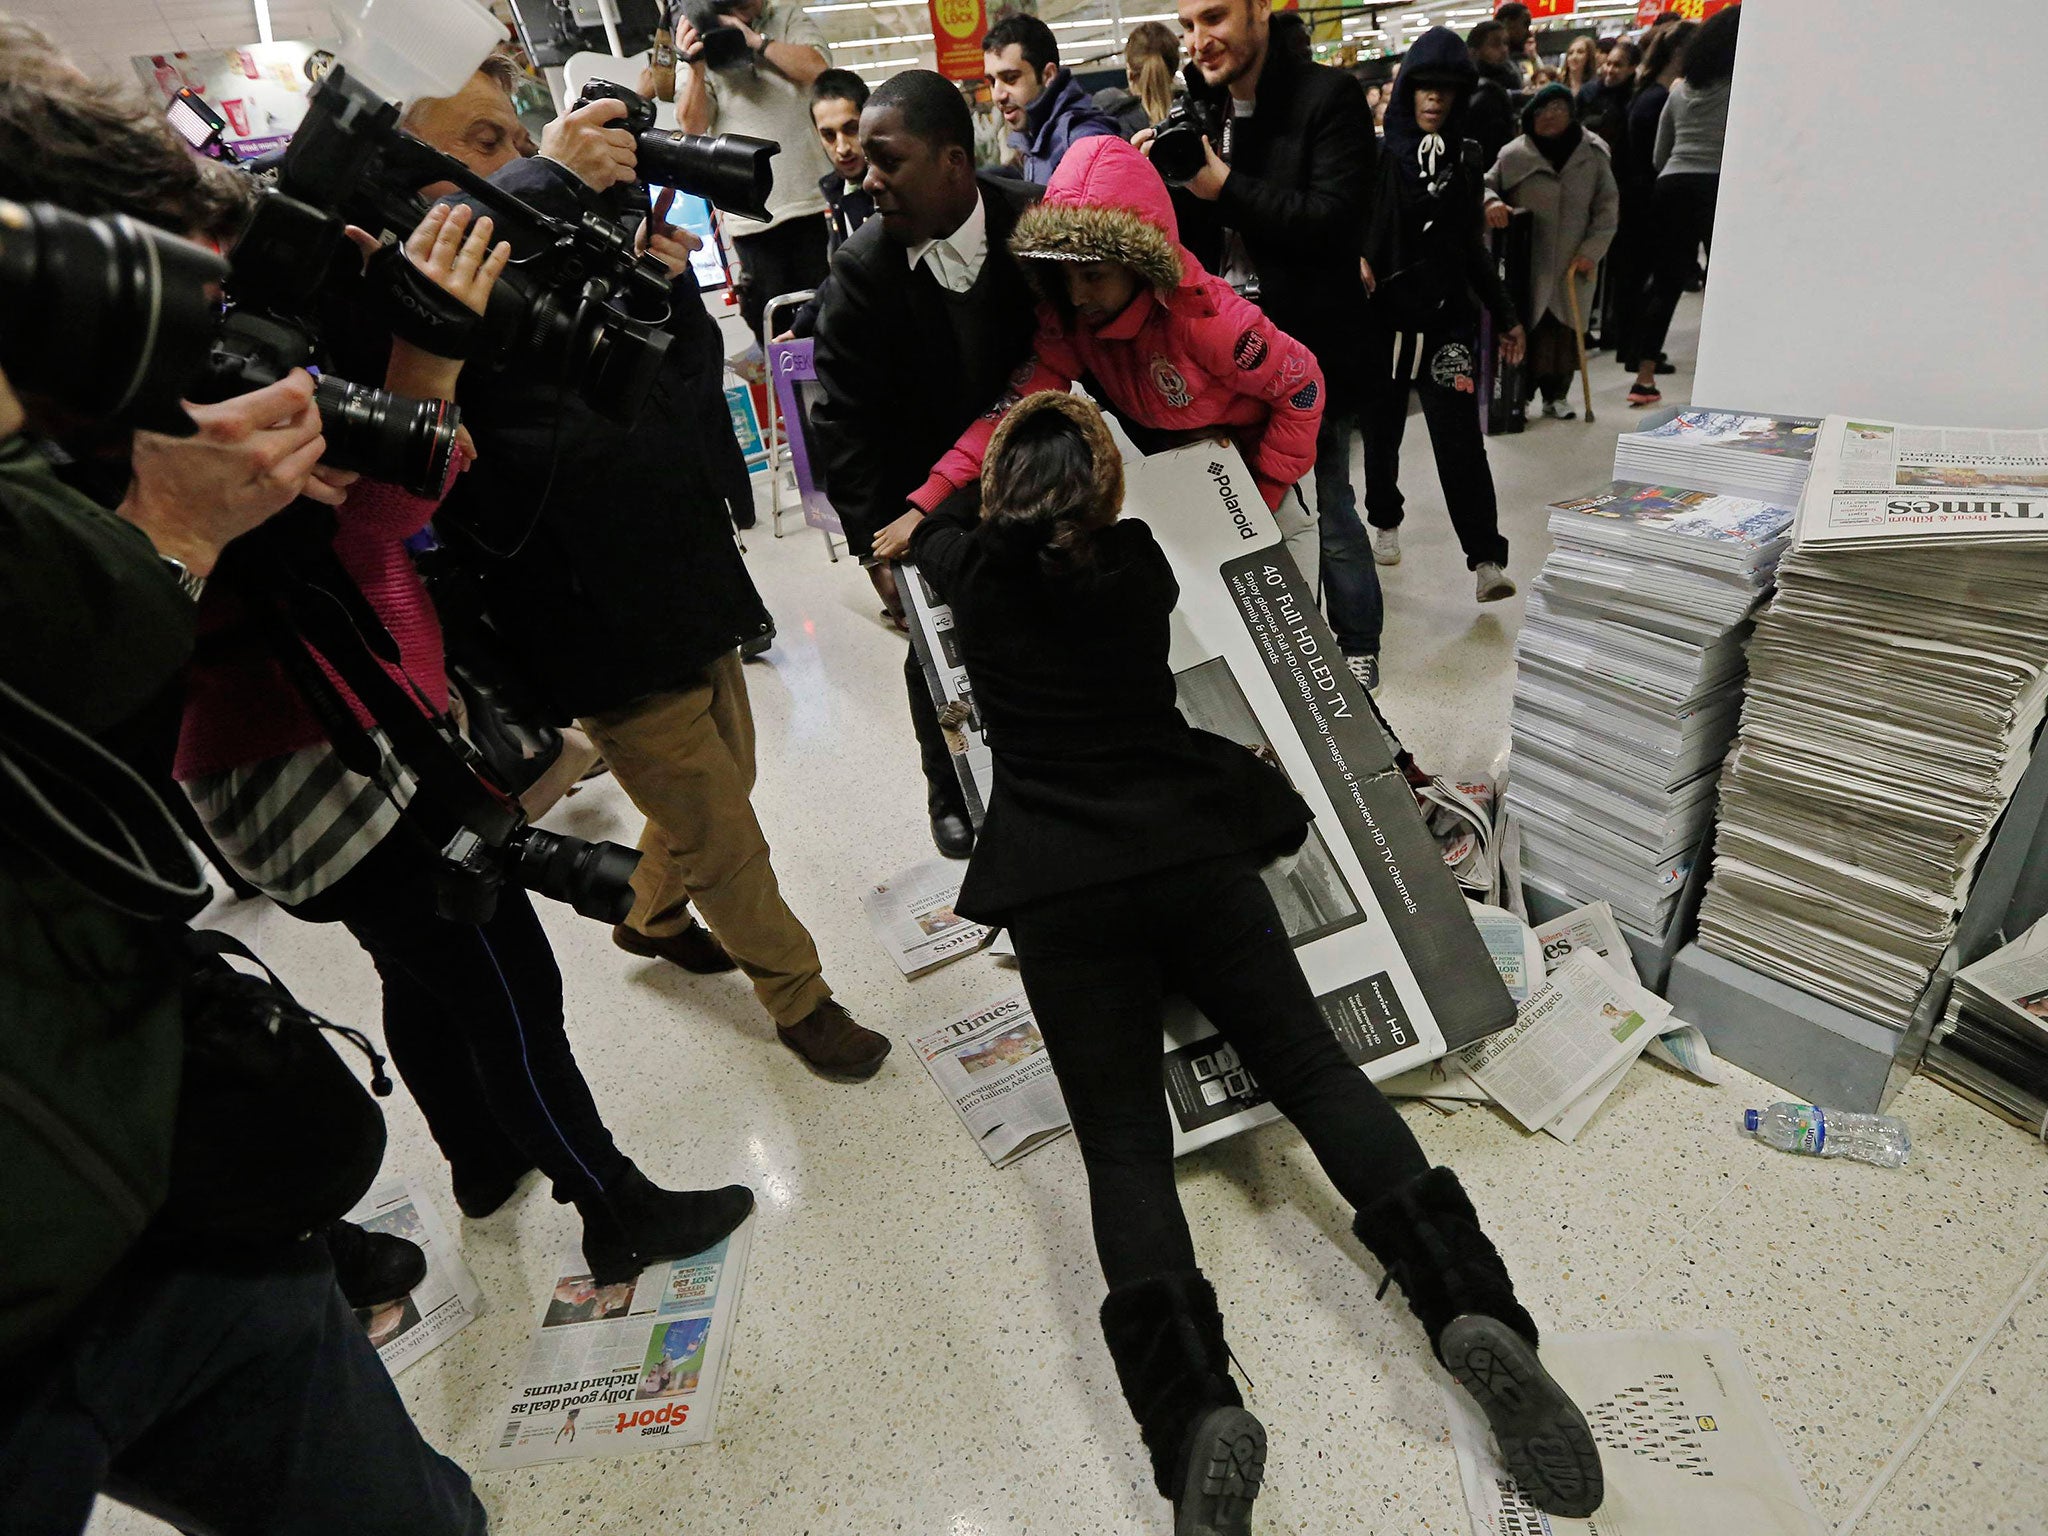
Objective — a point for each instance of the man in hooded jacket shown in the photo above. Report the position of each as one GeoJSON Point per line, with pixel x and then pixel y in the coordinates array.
{"type": "Point", "coordinates": [1432, 273]}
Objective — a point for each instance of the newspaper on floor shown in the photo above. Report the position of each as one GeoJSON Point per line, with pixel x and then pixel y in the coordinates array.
{"type": "Point", "coordinates": [992, 1067]}
{"type": "Point", "coordinates": [1991, 1043]}
{"type": "Point", "coordinates": [441, 1305]}
{"type": "Point", "coordinates": [1587, 1020]}
{"type": "Point", "coordinates": [1593, 927]}
{"type": "Point", "coordinates": [619, 1369]}
{"type": "Point", "coordinates": [1686, 1446]}
{"type": "Point", "coordinates": [1369, 905]}
{"type": "Point", "coordinates": [912, 914]}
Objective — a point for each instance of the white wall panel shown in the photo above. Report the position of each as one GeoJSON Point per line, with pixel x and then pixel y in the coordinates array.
{"type": "Point", "coordinates": [1880, 246]}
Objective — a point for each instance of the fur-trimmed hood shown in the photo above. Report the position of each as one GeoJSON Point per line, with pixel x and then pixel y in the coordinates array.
{"type": "Point", "coordinates": [1104, 203]}
{"type": "Point", "coordinates": [1107, 497]}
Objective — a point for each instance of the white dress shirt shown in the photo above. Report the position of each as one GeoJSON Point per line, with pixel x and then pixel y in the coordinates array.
{"type": "Point", "coordinates": [956, 259]}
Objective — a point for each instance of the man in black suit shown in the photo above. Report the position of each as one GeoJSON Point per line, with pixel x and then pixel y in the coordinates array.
{"type": "Point", "coordinates": [925, 321]}
{"type": "Point", "coordinates": [1280, 211]}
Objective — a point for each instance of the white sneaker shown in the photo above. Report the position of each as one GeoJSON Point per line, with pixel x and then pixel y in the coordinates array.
{"type": "Point", "coordinates": [1386, 546]}
{"type": "Point", "coordinates": [1365, 667]}
{"type": "Point", "coordinates": [1557, 410]}
{"type": "Point", "coordinates": [1493, 583]}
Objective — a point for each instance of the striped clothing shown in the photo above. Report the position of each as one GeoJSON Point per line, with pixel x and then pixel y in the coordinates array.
{"type": "Point", "coordinates": [294, 825]}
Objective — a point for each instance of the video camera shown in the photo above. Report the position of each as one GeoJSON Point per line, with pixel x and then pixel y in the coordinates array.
{"type": "Point", "coordinates": [578, 303]}
{"type": "Point", "coordinates": [730, 171]}
{"type": "Point", "coordinates": [1177, 143]}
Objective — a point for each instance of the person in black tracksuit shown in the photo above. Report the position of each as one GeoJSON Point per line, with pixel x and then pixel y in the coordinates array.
{"type": "Point", "coordinates": [1107, 806]}
{"type": "Point", "coordinates": [1432, 271]}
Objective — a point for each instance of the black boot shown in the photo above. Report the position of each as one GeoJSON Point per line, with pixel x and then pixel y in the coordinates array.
{"type": "Point", "coordinates": [1208, 1454]}
{"type": "Point", "coordinates": [636, 1223]}
{"type": "Point", "coordinates": [1428, 1237]}
{"type": "Point", "coordinates": [373, 1268]}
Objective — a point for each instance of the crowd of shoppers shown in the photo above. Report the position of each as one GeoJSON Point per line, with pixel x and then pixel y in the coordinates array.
{"type": "Point", "coordinates": [1310, 278]}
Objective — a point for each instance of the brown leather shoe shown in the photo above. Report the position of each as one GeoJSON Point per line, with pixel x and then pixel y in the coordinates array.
{"type": "Point", "coordinates": [834, 1044]}
{"type": "Point", "coordinates": [694, 949]}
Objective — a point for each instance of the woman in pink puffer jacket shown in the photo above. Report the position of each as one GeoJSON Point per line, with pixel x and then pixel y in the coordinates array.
{"type": "Point", "coordinates": [1170, 346]}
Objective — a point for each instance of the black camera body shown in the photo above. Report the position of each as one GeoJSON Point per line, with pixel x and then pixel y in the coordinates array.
{"type": "Point", "coordinates": [1177, 142]}
{"type": "Point", "coordinates": [730, 171]}
{"type": "Point", "coordinates": [722, 46]}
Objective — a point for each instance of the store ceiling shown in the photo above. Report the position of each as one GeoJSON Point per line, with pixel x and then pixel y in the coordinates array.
{"type": "Point", "coordinates": [878, 37]}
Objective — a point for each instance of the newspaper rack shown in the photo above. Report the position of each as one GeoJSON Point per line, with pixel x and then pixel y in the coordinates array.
{"type": "Point", "coordinates": [1829, 1055]}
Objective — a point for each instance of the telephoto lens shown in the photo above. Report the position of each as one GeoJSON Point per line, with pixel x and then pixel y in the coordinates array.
{"type": "Point", "coordinates": [107, 317]}
{"type": "Point", "coordinates": [593, 878]}
{"type": "Point", "coordinates": [730, 171]}
{"type": "Point", "coordinates": [389, 437]}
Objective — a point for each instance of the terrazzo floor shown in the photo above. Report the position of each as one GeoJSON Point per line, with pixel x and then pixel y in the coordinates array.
{"type": "Point", "coordinates": [917, 1350]}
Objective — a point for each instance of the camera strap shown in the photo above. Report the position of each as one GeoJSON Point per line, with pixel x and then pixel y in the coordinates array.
{"type": "Point", "coordinates": [69, 799]}
{"type": "Point", "coordinates": [314, 609]}
{"type": "Point", "coordinates": [419, 310]}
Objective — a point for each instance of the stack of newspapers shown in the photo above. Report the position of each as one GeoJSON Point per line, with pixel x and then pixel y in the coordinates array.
{"type": "Point", "coordinates": [1738, 452]}
{"type": "Point", "coordinates": [1896, 687]}
{"type": "Point", "coordinates": [1992, 1043]}
{"type": "Point", "coordinates": [1627, 686]}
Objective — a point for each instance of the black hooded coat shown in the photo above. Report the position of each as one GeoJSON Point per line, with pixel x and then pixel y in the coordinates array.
{"type": "Point", "coordinates": [1301, 179]}
{"type": "Point", "coordinates": [1428, 248]}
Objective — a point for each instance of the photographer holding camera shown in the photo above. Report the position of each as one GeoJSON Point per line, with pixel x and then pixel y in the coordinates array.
{"type": "Point", "coordinates": [1273, 178]}
{"type": "Point", "coordinates": [191, 1375]}
{"type": "Point", "coordinates": [747, 67]}
{"type": "Point", "coordinates": [610, 571]}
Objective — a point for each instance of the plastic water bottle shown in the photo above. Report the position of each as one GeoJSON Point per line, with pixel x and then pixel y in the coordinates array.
{"type": "Point", "coordinates": [1815, 1132]}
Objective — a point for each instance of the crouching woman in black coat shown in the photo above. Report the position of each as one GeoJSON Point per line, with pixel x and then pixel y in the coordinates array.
{"type": "Point", "coordinates": [1122, 849]}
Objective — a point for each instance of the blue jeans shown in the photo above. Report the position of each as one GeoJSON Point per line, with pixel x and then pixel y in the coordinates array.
{"type": "Point", "coordinates": [1350, 581]}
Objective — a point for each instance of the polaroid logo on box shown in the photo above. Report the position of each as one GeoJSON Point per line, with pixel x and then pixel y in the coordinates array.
{"type": "Point", "coordinates": [1231, 504]}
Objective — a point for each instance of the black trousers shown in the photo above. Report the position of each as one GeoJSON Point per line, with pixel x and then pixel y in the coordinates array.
{"type": "Point", "coordinates": [1410, 360]}
{"type": "Point", "coordinates": [232, 1401]}
{"type": "Point", "coordinates": [473, 1021]}
{"type": "Point", "coordinates": [786, 259]}
{"type": "Point", "coordinates": [1682, 221]}
{"type": "Point", "coordinates": [941, 778]}
{"type": "Point", "coordinates": [1098, 965]}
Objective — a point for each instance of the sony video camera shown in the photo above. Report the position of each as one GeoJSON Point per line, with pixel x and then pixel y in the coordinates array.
{"type": "Point", "coordinates": [730, 171]}
{"type": "Point", "coordinates": [579, 304]}
{"type": "Point", "coordinates": [1177, 142]}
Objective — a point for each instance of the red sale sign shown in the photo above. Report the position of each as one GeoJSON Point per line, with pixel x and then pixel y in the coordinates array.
{"type": "Point", "coordinates": [1698, 10]}
{"type": "Point", "coordinates": [958, 26]}
{"type": "Point", "coordinates": [1545, 10]}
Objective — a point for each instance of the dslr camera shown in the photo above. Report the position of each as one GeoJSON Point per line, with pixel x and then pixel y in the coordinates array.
{"type": "Point", "coordinates": [1177, 142]}
{"type": "Point", "coordinates": [731, 171]}
{"type": "Point", "coordinates": [720, 47]}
